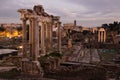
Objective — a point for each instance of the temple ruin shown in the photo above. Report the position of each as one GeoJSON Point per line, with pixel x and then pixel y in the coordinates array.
{"type": "Point", "coordinates": [101, 35]}
{"type": "Point", "coordinates": [37, 37]}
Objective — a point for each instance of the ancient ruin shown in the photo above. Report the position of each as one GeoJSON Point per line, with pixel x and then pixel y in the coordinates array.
{"type": "Point", "coordinates": [101, 35]}
{"type": "Point", "coordinates": [37, 37]}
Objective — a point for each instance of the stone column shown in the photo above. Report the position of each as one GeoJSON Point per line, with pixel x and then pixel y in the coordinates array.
{"type": "Point", "coordinates": [35, 39]}
{"type": "Point", "coordinates": [47, 30]}
{"type": "Point", "coordinates": [47, 36]}
{"type": "Point", "coordinates": [59, 37]}
{"type": "Point", "coordinates": [42, 38]}
{"type": "Point", "coordinates": [51, 35]}
{"type": "Point", "coordinates": [24, 37]}
{"type": "Point", "coordinates": [38, 38]}
{"type": "Point", "coordinates": [98, 36]}
{"type": "Point", "coordinates": [39, 25]}
{"type": "Point", "coordinates": [104, 36]}
{"type": "Point", "coordinates": [30, 31]}
{"type": "Point", "coordinates": [30, 37]}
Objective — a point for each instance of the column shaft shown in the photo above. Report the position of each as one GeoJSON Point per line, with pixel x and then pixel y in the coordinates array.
{"type": "Point", "coordinates": [35, 39]}
{"type": "Point", "coordinates": [98, 36]}
{"type": "Point", "coordinates": [24, 37]}
{"type": "Point", "coordinates": [59, 37]}
{"type": "Point", "coordinates": [47, 37]}
{"type": "Point", "coordinates": [51, 35]}
{"type": "Point", "coordinates": [104, 36]}
{"type": "Point", "coordinates": [30, 37]}
{"type": "Point", "coordinates": [42, 38]}
{"type": "Point", "coordinates": [101, 36]}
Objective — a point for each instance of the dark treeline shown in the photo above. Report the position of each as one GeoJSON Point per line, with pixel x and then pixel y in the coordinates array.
{"type": "Point", "coordinates": [115, 26]}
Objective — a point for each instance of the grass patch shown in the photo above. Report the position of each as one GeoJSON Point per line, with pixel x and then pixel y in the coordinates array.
{"type": "Point", "coordinates": [54, 54]}
{"type": "Point", "coordinates": [49, 57]}
{"type": "Point", "coordinates": [107, 57]}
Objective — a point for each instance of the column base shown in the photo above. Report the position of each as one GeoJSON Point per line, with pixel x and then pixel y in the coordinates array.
{"type": "Point", "coordinates": [31, 68]}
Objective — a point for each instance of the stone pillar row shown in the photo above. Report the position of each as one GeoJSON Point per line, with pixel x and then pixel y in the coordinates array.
{"type": "Point", "coordinates": [40, 39]}
{"type": "Point", "coordinates": [101, 36]}
{"type": "Point", "coordinates": [45, 36]}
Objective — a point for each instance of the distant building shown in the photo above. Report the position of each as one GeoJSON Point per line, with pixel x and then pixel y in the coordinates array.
{"type": "Point", "coordinates": [75, 24]}
{"type": "Point", "coordinates": [94, 29]}
{"type": "Point", "coordinates": [77, 28]}
{"type": "Point", "coordinates": [68, 26]}
{"type": "Point", "coordinates": [11, 30]}
{"type": "Point", "coordinates": [84, 29]}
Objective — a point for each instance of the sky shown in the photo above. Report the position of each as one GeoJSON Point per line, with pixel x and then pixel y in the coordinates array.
{"type": "Point", "coordinates": [87, 13]}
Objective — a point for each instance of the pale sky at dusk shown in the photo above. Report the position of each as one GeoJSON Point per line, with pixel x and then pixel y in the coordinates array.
{"type": "Point", "coordinates": [88, 13]}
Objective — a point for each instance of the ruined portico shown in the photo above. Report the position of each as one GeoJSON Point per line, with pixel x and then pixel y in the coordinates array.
{"type": "Point", "coordinates": [39, 42]}
{"type": "Point", "coordinates": [101, 35]}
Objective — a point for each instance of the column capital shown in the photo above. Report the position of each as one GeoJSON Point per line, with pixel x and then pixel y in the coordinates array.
{"type": "Point", "coordinates": [32, 18]}
{"type": "Point", "coordinates": [23, 19]}
{"type": "Point", "coordinates": [59, 22]}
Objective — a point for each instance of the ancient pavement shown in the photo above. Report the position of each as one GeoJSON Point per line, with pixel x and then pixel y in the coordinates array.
{"type": "Point", "coordinates": [84, 55]}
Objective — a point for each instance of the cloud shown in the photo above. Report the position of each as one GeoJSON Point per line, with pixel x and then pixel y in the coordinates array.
{"type": "Point", "coordinates": [89, 12]}
{"type": "Point", "coordinates": [98, 7]}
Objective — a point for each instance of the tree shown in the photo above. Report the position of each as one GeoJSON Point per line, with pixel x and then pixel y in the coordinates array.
{"type": "Point", "coordinates": [19, 28]}
{"type": "Point", "coordinates": [2, 29]}
{"type": "Point", "coordinates": [105, 26]}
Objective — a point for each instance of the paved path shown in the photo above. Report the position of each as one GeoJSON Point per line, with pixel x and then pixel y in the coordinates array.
{"type": "Point", "coordinates": [73, 57]}
{"type": "Point", "coordinates": [95, 56]}
{"type": "Point", "coordinates": [84, 55]}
